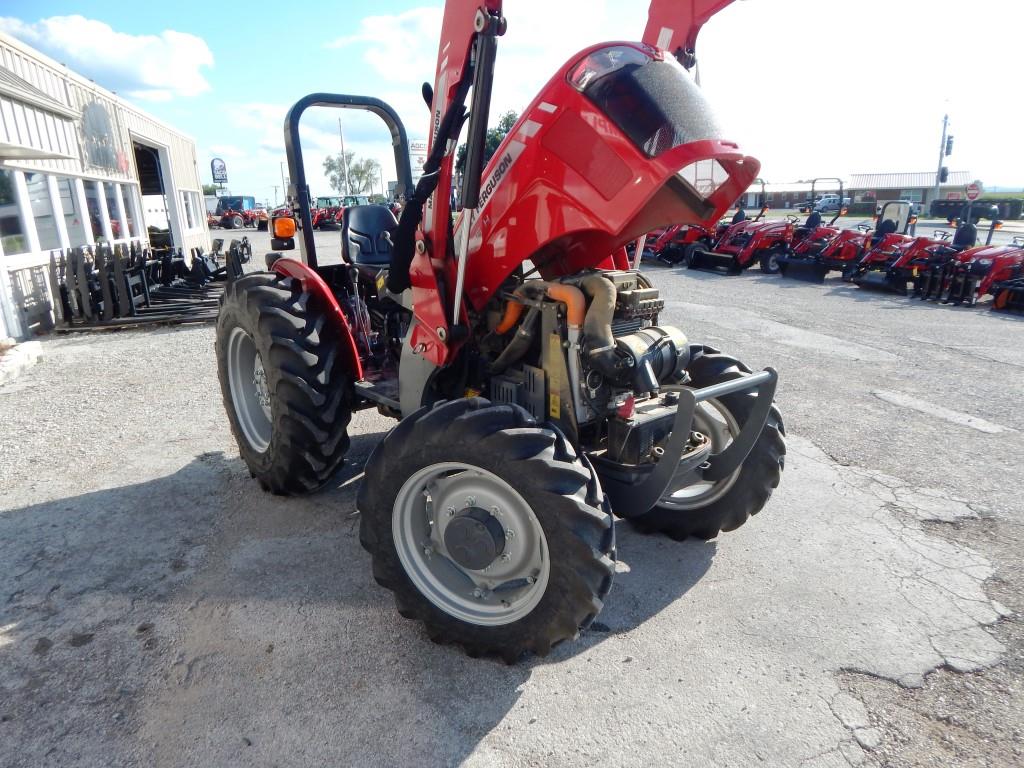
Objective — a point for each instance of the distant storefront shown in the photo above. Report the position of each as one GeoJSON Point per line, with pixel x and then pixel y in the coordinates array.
{"type": "Point", "coordinates": [80, 166]}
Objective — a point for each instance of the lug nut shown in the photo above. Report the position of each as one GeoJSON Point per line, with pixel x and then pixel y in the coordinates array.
{"type": "Point", "coordinates": [505, 557]}
{"type": "Point", "coordinates": [471, 501]}
{"type": "Point", "coordinates": [495, 511]}
{"type": "Point", "coordinates": [451, 511]}
{"type": "Point", "coordinates": [510, 534]}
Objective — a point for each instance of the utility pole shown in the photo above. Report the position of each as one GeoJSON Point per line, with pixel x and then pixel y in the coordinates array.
{"type": "Point", "coordinates": [284, 186]}
{"type": "Point", "coordinates": [380, 170]}
{"type": "Point", "coordinates": [942, 154]}
{"type": "Point", "coordinates": [344, 160]}
{"type": "Point", "coordinates": [275, 188]}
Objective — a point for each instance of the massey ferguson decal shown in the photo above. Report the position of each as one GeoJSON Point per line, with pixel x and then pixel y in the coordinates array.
{"type": "Point", "coordinates": [512, 152]}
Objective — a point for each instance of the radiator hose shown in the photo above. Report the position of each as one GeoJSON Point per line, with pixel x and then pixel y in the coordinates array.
{"type": "Point", "coordinates": [597, 325]}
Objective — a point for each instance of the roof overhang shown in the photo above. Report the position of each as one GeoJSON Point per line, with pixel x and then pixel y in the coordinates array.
{"type": "Point", "coordinates": [21, 90]}
{"type": "Point", "coordinates": [19, 152]}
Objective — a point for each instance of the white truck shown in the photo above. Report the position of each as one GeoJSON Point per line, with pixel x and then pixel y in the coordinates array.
{"type": "Point", "coordinates": [829, 203]}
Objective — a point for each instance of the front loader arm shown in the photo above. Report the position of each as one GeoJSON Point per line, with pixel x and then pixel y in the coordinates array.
{"type": "Point", "coordinates": [431, 335]}
{"type": "Point", "coordinates": [673, 25]}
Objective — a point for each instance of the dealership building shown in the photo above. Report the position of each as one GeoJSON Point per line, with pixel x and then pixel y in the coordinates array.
{"type": "Point", "coordinates": [80, 166]}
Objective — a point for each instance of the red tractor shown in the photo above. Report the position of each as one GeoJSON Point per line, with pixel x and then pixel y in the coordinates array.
{"type": "Point", "coordinates": [744, 244]}
{"type": "Point", "coordinates": [969, 275]}
{"type": "Point", "coordinates": [844, 250]}
{"type": "Point", "coordinates": [238, 211]}
{"type": "Point", "coordinates": [534, 402]}
{"type": "Point", "coordinates": [895, 266]}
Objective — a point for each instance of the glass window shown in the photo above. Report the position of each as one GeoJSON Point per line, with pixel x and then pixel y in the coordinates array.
{"type": "Point", "coordinates": [92, 199]}
{"type": "Point", "coordinates": [127, 195]}
{"type": "Point", "coordinates": [73, 218]}
{"type": "Point", "coordinates": [42, 211]}
{"type": "Point", "coordinates": [193, 209]}
{"type": "Point", "coordinates": [655, 103]}
{"type": "Point", "coordinates": [116, 225]}
{"type": "Point", "coordinates": [12, 230]}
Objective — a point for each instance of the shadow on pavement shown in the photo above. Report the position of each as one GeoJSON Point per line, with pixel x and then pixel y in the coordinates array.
{"type": "Point", "coordinates": [193, 617]}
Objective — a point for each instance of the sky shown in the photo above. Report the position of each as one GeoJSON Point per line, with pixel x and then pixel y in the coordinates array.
{"type": "Point", "coordinates": [810, 88]}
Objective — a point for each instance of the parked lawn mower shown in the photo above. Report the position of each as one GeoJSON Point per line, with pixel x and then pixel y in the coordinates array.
{"type": "Point", "coordinates": [490, 518]}
{"type": "Point", "coordinates": [845, 249]}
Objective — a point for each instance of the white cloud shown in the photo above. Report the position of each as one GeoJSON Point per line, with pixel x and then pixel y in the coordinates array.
{"type": "Point", "coordinates": [403, 47]}
{"type": "Point", "coordinates": [152, 67]}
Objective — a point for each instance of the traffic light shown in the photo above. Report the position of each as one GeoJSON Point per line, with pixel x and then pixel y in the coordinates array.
{"type": "Point", "coordinates": [943, 175]}
{"type": "Point", "coordinates": [949, 146]}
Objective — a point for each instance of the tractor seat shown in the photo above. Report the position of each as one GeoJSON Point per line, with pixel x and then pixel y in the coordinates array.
{"type": "Point", "coordinates": [813, 221]}
{"type": "Point", "coordinates": [886, 228]}
{"type": "Point", "coordinates": [366, 235]}
{"type": "Point", "coordinates": [966, 237]}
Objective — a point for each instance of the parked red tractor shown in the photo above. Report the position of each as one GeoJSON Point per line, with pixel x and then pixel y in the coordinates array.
{"type": "Point", "coordinates": [967, 276]}
{"type": "Point", "coordinates": [896, 266]}
{"type": "Point", "coordinates": [844, 251]}
{"type": "Point", "coordinates": [744, 244]}
{"type": "Point", "coordinates": [490, 519]}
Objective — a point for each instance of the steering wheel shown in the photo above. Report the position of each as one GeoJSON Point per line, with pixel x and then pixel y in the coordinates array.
{"type": "Point", "coordinates": [864, 227]}
{"type": "Point", "coordinates": [792, 219]}
{"type": "Point", "coordinates": [942, 234]}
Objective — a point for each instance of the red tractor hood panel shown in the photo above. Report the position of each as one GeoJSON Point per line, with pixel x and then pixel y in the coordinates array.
{"type": "Point", "coordinates": [568, 187]}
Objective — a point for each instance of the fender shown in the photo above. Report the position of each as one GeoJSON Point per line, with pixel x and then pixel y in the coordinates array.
{"type": "Point", "coordinates": [313, 283]}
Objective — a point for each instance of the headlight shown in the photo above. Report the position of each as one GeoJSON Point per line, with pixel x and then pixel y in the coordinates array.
{"type": "Point", "coordinates": [985, 262]}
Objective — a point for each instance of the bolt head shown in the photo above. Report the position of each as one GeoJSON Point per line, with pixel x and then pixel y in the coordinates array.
{"type": "Point", "coordinates": [495, 511]}
{"type": "Point", "coordinates": [451, 511]}
{"type": "Point", "coordinates": [510, 534]}
{"type": "Point", "coordinates": [505, 557]}
{"type": "Point", "coordinates": [478, 593]}
{"type": "Point", "coordinates": [471, 501]}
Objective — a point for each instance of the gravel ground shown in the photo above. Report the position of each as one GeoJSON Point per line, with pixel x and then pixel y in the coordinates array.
{"type": "Point", "coordinates": [157, 609]}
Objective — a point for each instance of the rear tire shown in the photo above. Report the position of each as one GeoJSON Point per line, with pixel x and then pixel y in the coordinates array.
{"type": "Point", "coordinates": [522, 470]}
{"type": "Point", "coordinates": [730, 502]}
{"type": "Point", "coordinates": [285, 389]}
{"type": "Point", "coordinates": [690, 257]}
{"type": "Point", "coordinates": [237, 222]}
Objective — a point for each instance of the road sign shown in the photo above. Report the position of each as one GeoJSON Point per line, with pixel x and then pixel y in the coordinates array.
{"type": "Point", "coordinates": [219, 170]}
{"type": "Point", "coordinates": [973, 191]}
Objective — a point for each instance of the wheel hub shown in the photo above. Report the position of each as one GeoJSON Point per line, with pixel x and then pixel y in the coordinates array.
{"type": "Point", "coordinates": [259, 382]}
{"type": "Point", "coordinates": [474, 539]}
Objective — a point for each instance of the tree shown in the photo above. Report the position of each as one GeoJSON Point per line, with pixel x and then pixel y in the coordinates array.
{"type": "Point", "coordinates": [363, 173]}
{"type": "Point", "coordinates": [334, 169]}
{"type": "Point", "coordinates": [494, 138]}
{"type": "Point", "coordinates": [209, 189]}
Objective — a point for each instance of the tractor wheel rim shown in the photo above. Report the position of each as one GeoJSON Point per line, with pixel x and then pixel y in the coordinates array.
{"type": "Point", "coordinates": [714, 420]}
{"type": "Point", "coordinates": [773, 262]}
{"type": "Point", "coordinates": [250, 394]}
{"type": "Point", "coordinates": [511, 585]}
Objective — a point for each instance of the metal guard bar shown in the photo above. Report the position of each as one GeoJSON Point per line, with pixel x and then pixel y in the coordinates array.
{"type": "Point", "coordinates": [299, 189]}
{"type": "Point", "coordinates": [631, 498]}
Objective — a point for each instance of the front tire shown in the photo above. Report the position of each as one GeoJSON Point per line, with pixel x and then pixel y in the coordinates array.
{"type": "Point", "coordinates": [285, 389]}
{"type": "Point", "coordinates": [770, 262]}
{"type": "Point", "coordinates": [495, 464]}
{"type": "Point", "coordinates": [704, 510]}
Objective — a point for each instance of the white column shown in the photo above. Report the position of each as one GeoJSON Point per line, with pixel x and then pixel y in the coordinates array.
{"type": "Point", "coordinates": [11, 322]}
{"type": "Point", "coordinates": [28, 221]}
{"type": "Point", "coordinates": [83, 206]}
{"type": "Point", "coordinates": [58, 211]}
{"type": "Point", "coordinates": [101, 201]}
{"type": "Point", "coordinates": [126, 233]}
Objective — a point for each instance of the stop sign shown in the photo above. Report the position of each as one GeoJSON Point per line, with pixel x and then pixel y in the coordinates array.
{"type": "Point", "coordinates": [973, 191]}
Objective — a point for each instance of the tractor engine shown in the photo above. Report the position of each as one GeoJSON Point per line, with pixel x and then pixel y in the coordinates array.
{"type": "Point", "coordinates": [603, 358]}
